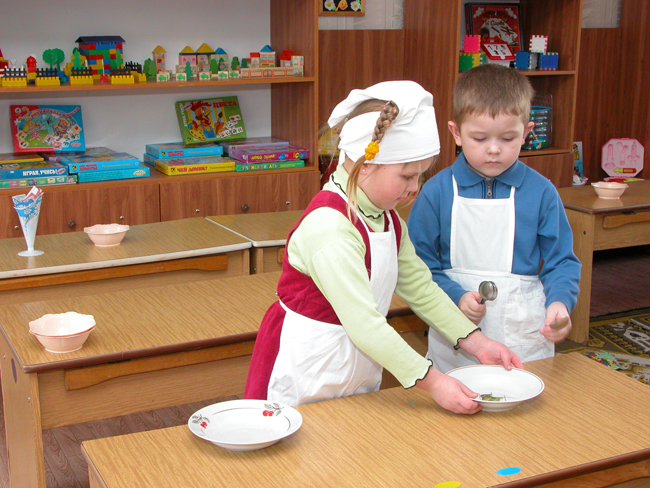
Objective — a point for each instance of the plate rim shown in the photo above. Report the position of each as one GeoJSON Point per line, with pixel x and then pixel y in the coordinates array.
{"type": "Point", "coordinates": [294, 416]}
{"type": "Point", "coordinates": [472, 366]}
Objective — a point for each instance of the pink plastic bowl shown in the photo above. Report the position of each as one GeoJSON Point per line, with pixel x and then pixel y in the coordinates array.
{"type": "Point", "coordinates": [62, 332]}
{"type": "Point", "coordinates": [106, 235]}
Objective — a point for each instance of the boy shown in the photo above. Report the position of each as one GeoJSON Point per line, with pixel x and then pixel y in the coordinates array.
{"type": "Point", "coordinates": [489, 217]}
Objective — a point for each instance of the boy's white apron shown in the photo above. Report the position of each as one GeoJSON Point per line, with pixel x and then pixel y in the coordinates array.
{"type": "Point", "coordinates": [481, 248]}
{"type": "Point", "coordinates": [317, 360]}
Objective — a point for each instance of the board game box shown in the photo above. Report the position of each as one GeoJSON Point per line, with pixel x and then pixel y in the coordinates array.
{"type": "Point", "coordinates": [114, 174]}
{"type": "Point", "coordinates": [40, 181]}
{"type": "Point", "coordinates": [12, 171]}
{"type": "Point", "coordinates": [253, 142]}
{"type": "Point", "coordinates": [171, 150]}
{"type": "Point", "coordinates": [269, 165]}
{"type": "Point", "coordinates": [47, 128]}
{"type": "Point", "coordinates": [210, 120]}
{"type": "Point", "coordinates": [19, 158]}
{"type": "Point", "coordinates": [92, 162]}
{"type": "Point", "coordinates": [490, 20]}
{"type": "Point", "coordinates": [184, 166]}
{"type": "Point", "coordinates": [268, 154]}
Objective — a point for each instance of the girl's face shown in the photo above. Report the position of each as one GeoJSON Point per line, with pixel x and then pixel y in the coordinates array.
{"type": "Point", "coordinates": [386, 185]}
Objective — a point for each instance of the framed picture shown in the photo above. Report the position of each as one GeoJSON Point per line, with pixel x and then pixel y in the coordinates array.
{"type": "Point", "coordinates": [491, 20]}
{"type": "Point", "coordinates": [342, 7]}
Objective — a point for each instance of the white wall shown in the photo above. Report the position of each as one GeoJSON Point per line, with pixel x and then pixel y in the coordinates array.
{"type": "Point", "coordinates": [126, 120]}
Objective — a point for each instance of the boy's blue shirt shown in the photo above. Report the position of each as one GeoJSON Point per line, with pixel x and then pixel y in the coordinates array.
{"type": "Point", "coordinates": [542, 232]}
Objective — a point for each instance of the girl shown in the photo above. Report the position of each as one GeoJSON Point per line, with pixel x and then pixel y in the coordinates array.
{"type": "Point", "coordinates": [327, 336]}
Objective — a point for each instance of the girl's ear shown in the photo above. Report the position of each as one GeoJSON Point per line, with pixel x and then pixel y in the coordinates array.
{"type": "Point", "coordinates": [455, 132]}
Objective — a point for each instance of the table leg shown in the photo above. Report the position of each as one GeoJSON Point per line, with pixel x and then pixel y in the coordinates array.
{"type": "Point", "coordinates": [22, 414]}
{"type": "Point", "coordinates": [582, 225]}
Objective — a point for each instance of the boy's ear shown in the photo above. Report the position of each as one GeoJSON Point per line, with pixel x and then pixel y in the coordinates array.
{"type": "Point", "coordinates": [455, 131]}
{"type": "Point", "coordinates": [527, 129]}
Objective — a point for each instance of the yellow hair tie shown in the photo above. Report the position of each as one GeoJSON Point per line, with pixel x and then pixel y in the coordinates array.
{"type": "Point", "coordinates": [371, 151]}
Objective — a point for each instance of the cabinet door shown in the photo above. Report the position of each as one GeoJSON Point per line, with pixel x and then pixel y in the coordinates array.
{"type": "Point", "coordinates": [235, 195]}
{"type": "Point", "coordinates": [72, 210]}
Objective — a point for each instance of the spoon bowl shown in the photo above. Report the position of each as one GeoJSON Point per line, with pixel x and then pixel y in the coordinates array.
{"type": "Point", "coordinates": [487, 290]}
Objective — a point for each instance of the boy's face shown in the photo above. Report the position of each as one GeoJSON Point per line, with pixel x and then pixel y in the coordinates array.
{"type": "Point", "coordinates": [491, 145]}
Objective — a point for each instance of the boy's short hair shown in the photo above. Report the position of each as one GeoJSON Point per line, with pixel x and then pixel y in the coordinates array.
{"type": "Point", "coordinates": [492, 89]}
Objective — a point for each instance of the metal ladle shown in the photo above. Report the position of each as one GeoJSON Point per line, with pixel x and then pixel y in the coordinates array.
{"type": "Point", "coordinates": [487, 290]}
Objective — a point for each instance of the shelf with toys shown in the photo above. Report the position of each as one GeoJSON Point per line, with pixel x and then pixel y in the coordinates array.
{"type": "Point", "coordinates": [558, 21]}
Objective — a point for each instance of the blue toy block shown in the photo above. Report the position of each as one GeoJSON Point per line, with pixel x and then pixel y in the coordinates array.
{"type": "Point", "coordinates": [525, 60]}
{"type": "Point", "coordinates": [548, 61]}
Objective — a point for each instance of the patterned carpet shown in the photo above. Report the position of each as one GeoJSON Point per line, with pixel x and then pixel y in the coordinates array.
{"type": "Point", "coordinates": [620, 341]}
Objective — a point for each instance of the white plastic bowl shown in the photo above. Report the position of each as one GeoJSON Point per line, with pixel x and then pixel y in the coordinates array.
{"type": "Point", "coordinates": [62, 332]}
{"type": "Point", "coordinates": [609, 189]}
{"type": "Point", "coordinates": [106, 235]}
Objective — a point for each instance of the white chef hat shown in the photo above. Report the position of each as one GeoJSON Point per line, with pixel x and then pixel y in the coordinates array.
{"type": "Point", "coordinates": [412, 136]}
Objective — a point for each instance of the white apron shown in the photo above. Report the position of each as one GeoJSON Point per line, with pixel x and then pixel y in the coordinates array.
{"type": "Point", "coordinates": [481, 249]}
{"type": "Point", "coordinates": [316, 360]}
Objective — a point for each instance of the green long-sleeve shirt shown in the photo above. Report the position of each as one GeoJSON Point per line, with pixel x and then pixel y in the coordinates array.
{"type": "Point", "coordinates": [327, 247]}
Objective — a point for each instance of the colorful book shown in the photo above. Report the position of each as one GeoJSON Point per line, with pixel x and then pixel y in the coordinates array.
{"type": "Point", "coordinates": [272, 165]}
{"type": "Point", "coordinates": [173, 150]}
{"type": "Point", "coordinates": [254, 142]}
{"type": "Point", "coordinates": [13, 171]}
{"type": "Point", "coordinates": [114, 174]}
{"type": "Point", "coordinates": [490, 20]}
{"type": "Point", "coordinates": [268, 154]}
{"type": "Point", "coordinates": [20, 158]}
{"type": "Point", "coordinates": [210, 120]}
{"type": "Point", "coordinates": [41, 181]}
{"type": "Point", "coordinates": [47, 128]}
{"type": "Point", "coordinates": [184, 166]}
{"type": "Point", "coordinates": [100, 162]}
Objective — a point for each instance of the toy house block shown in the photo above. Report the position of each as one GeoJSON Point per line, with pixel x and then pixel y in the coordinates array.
{"type": "Point", "coordinates": [205, 76]}
{"type": "Point", "coordinates": [159, 58]}
{"type": "Point", "coordinates": [163, 76]}
{"type": "Point", "coordinates": [525, 60]}
{"type": "Point", "coordinates": [106, 51]}
{"type": "Point", "coordinates": [284, 59]}
{"type": "Point", "coordinates": [471, 44]}
{"type": "Point", "coordinates": [471, 60]}
{"type": "Point", "coordinates": [187, 54]}
{"type": "Point", "coordinates": [297, 60]}
{"type": "Point", "coordinates": [255, 60]}
{"type": "Point", "coordinates": [267, 57]}
{"type": "Point", "coordinates": [298, 70]}
{"type": "Point", "coordinates": [538, 44]}
{"type": "Point", "coordinates": [549, 61]}
{"type": "Point", "coordinates": [221, 56]}
{"type": "Point", "coordinates": [245, 72]}
{"type": "Point", "coordinates": [203, 56]}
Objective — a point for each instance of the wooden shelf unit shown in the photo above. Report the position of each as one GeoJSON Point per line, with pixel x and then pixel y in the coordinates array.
{"type": "Point", "coordinates": [69, 208]}
{"type": "Point", "coordinates": [431, 45]}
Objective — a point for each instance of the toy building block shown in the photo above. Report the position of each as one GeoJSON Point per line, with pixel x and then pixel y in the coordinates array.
{"type": "Point", "coordinates": [187, 55]}
{"type": "Point", "coordinates": [233, 74]}
{"type": "Point", "coordinates": [256, 72]}
{"type": "Point", "coordinates": [525, 60]}
{"type": "Point", "coordinates": [47, 77]}
{"type": "Point", "coordinates": [471, 44]}
{"type": "Point", "coordinates": [181, 76]}
{"type": "Point", "coordinates": [280, 71]}
{"type": "Point", "coordinates": [538, 44]}
{"type": "Point", "coordinates": [549, 61]}
{"type": "Point", "coordinates": [163, 76]}
{"type": "Point", "coordinates": [14, 77]}
{"type": "Point", "coordinates": [298, 71]}
{"type": "Point", "coordinates": [498, 51]}
{"type": "Point", "coordinates": [223, 75]}
{"type": "Point", "coordinates": [297, 60]}
{"type": "Point", "coordinates": [205, 76]}
{"type": "Point", "coordinates": [102, 53]}
{"type": "Point", "coordinates": [254, 60]}
{"type": "Point", "coordinates": [245, 72]}
{"type": "Point", "coordinates": [267, 57]}
{"type": "Point", "coordinates": [221, 56]}
{"type": "Point", "coordinates": [159, 58]}
{"type": "Point", "coordinates": [284, 59]}
{"type": "Point", "coordinates": [470, 60]}
{"type": "Point", "coordinates": [203, 56]}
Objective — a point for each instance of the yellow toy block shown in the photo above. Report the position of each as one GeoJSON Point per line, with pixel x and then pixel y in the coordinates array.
{"type": "Point", "coordinates": [14, 82]}
{"type": "Point", "coordinates": [139, 77]}
{"type": "Point", "coordinates": [48, 81]}
{"type": "Point", "coordinates": [122, 80]}
{"type": "Point", "coordinates": [81, 80]}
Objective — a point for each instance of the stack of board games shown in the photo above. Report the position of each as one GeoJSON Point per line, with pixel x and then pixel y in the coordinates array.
{"type": "Point", "coordinates": [174, 158]}
{"type": "Point", "coordinates": [210, 120]}
{"type": "Point", "coordinates": [27, 170]}
{"type": "Point", "coordinates": [262, 156]}
{"type": "Point", "coordinates": [103, 164]}
{"type": "Point", "coordinates": [47, 128]}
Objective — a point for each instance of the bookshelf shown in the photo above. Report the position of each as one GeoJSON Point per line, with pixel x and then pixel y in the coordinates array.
{"type": "Point", "coordinates": [432, 32]}
{"type": "Point", "coordinates": [292, 105]}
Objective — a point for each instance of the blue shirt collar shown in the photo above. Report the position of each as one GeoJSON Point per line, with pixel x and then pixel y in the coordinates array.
{"type": "Point", "coordinates": [465, 176]}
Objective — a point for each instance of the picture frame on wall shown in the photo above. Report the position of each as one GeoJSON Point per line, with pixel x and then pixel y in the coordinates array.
{"type": "Point", "coordinates": [491, 20]}
{"type": "Point", "coordinates": [342, 7]}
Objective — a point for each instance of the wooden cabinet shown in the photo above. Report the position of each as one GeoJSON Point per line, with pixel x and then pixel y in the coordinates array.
{"type": "Point", "coordinates": [72, 209]}
{"type": "Point", "coordinates": [293, 26]}
{"type": "Point", "coordinates": [431, 46]}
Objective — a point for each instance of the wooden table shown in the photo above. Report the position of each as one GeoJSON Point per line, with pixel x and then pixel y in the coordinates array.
{"type": "Point", "coordinates": [189, 244]}
{"type": "Point", "coordinates": [267, 233]}
{"type": "Point", "coordinates": [589, 428]}
{"type": "Point", "coordinates": [600, 224]}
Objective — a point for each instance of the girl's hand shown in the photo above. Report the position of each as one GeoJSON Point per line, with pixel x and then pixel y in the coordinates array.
{"type": "Point", "coordinates": [556, 311]}
{"type": "Point", "coordinates": [449, 393]}
{"type": "Point", "coordinates": [470, 304]}
{"type": "Point", "coordinates": [489, 351]}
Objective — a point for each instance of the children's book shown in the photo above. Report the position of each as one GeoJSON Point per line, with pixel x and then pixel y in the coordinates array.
{"type": "Point", "coordinates": [253, 142]}
{"type": "Point", "coordinates": [210, 120]}
{"type": "Point", "coordinates": [114, 174]}
{"type": "Point", "coordinates": [99, 162]}
{"type": "Point", "coordinates": [40, 181]}
{"type": "Point", "coordinates": [19, 158]}
{"type": "Point", "coordinates": [184, 166]}
{"type": "Point", "coordinates": [268, 154]}
{"type": "Point", "coordinates": [12, 171]}
{"type": "Point", "coordinates": [271, 165]}
{"type": "Point", "coordinates": [47, 128]}
{"type": "Point", "coordinates": [494, 20]}
{"type": "Point", "coordinates": [173, 150]}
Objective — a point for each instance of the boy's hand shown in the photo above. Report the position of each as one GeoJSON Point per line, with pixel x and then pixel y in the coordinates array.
{"type": "Point", "coordinates": [449, 393]}
{"type": "Point", "coordinates": [556, 311]}
{"type": "Point", "coordinates": [489, 351]}
{"type": "Point", "coordinates": [470, 304]}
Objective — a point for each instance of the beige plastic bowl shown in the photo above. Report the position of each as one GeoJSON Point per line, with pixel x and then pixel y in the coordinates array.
{"type": "Point", "coordinates": [609, 189]}
{"type": "Point", "coordinates": [106, 235]}
{"type": "Point", "coordinates": [62, 332]}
